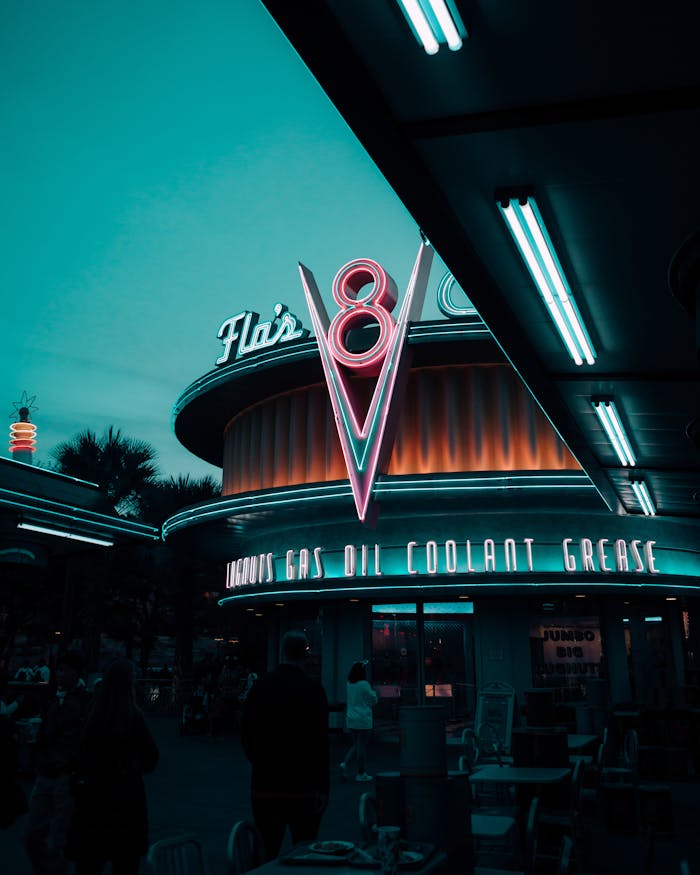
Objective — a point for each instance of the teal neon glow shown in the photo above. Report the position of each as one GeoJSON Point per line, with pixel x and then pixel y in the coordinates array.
{"type": "Point", "coordinates": [420, 332]}
{"type": "Point", "coordinates": [535, 246]}
{"type": "Point", "coordinates": [462, 607]}
{"type": "Point", "coordinates": [70, 535]}
{"type": "Point", "coordinates": [280, 498]}
{"type": "Point", "coordinates": [433, 23]}
{"type": "Point", "coordinates": [50, 473]}
{"type": "Point", "coordinates": [473, 585]}
{"type": "Point", "coordinates": [609, 417]}
{"type": "Point", "coordinates": [643, 497]}
{"type": "Point", "coordinates": [45, 507]}
{"type": "Point", "coordinates": [444, 299]}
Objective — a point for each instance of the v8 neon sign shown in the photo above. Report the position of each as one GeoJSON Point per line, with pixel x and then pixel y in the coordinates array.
{"type": "Point", "coordinates": [365, 294]}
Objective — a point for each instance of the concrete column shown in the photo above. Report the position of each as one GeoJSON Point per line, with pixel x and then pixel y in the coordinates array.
{"type": "Point", "coordinates": [612, 631]}
{"type": "Point", "coordinates": [676, 656]}
{"type": "Point", "coordinates": [502, 644]}
{"type": "Point", "coordinates": [641, 668]}
{"type": "Point", "coordinates": [347, 636]}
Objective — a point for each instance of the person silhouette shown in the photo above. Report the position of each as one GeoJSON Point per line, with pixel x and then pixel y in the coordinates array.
{"type": "Point", "coordinates": [284, 731]}
{"type": "Point", "coordinates": [50, 802]}
{"type": "Point", "coordinates": [361, 698]}
{"type": "Point", "coordinates": [110, 820]}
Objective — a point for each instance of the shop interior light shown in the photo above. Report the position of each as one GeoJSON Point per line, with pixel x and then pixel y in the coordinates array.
{"type": "Point", "coordinates": [643, 497]}
{"type": "Point", "coordinates": [434, 22]}
{"type": "Point", "coordinates": [530, 234]}
{"type": "Point", "coordinates": [70, 535]}
{"type": "Point", "coordinates": [612, 424]}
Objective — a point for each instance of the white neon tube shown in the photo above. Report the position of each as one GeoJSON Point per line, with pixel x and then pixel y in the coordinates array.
{"type": "Point", "coordinates": [643, 497]}
{"type": "Point", "coordinates": [527, 228]}
{"type": "Point", "coordinates": [70, 535]}
{"type": "Point", "coordinates": [612, 425]}
{"type": "Point", "coordinates": [540, 281]}
{"type": "Point", "coordinates": [557, 281]}
{"type": "Point", "coordinates": [421, 24]}
{"type": "Point", "coordinates": [454, 41]}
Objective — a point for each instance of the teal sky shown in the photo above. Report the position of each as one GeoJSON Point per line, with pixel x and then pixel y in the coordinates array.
{"type": "Point", "coordinates": [163, 165]}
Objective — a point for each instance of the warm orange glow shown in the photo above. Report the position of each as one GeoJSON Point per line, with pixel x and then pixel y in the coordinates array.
{"type": "Point", "coordinates": [455, 419]}
{"type": "Point", "coordinates": [23, 437]}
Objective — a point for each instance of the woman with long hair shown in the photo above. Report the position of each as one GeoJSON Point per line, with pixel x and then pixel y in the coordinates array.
{"type": "Point", "coordinates": [361, 698]}
{"type": "Point", "coordinates": [110, 821]}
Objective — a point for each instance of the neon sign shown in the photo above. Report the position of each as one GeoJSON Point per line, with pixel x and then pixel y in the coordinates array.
{"type": "Point", "coordinates": [365, 295]}
{"type": "Point", "coordinates": [255, 336]}
{"type": "Point", "coordinates": [445, 558]}
{"type": "Point", "coordinates": [445, 302]}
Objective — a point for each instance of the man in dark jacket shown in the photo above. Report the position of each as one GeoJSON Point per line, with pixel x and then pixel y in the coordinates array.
{"type": "Point", "coordinates": [51, 804]}
{"type": "Point", "coordinates": [284, 730]}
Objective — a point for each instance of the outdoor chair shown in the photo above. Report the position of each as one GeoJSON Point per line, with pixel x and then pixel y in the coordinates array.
{"type": "Point", "coordinates": [244, 850]}
{"type": "Point", "coordinates": [567, 819]}
{"type": "Point", "coordinates": [530, 847]}
{"type": "Point", "coordinates": [565, 854]}
{"type": "Point", "coordinates": [178, 855]}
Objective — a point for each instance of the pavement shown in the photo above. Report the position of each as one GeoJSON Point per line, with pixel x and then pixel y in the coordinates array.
{"type": "Point", "coordinates": [201, 786]}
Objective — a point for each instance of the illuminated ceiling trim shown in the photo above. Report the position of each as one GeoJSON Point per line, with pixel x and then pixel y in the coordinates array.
{"type": "Point", "coordinates": [389, 591]}
{"type": "Point", "coordinates": [386, 487]}
{"type": "Point", "coordinates": [422, 332]}
{"type": "Point", "coordinates": [37, 509]}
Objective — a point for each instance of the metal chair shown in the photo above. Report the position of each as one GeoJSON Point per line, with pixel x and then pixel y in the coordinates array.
{"type": "Point", "coordinates": [530, 847]}
{"type": "Point", "coordinates": [244, 850]}
{"type": "Point", "coordinates": [179, 855]}
{"type": "Point", "coordinates": [568, 818]}
{"type": "Point", "coordinates": [565, 856]}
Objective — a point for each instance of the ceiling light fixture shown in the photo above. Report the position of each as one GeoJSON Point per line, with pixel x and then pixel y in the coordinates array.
{"type": "Point", "coordinates": [434, 22]}
{"type": "Point", "coordinates": [530, 234]}
{"type": "Point", "coordinates": [70, 535]}
{"type": "Point", "coordinates": [612, 424]}
{"type": "Point", "coordinates": [643, 497]}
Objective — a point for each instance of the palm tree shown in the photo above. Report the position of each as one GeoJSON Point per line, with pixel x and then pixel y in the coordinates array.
{"type": "Point", "coordinates": [122, 466]}
{"type": "Point", "coordinates": [162, 498]}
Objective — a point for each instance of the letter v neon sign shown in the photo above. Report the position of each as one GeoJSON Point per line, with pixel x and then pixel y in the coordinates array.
{"type": "Point", "coordinates": [366, 447]}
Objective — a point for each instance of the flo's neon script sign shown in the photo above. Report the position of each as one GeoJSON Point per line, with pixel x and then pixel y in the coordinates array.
{"type": "Point", "coordinates": [365, 295]}
{"type": "Point", "coordinates": [244, 333]}
{"type": "Point", "coordinates": [448, 557]}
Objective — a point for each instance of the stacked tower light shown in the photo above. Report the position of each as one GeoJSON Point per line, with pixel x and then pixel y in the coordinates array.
{"type": "Point", "coordinates": [23, 431]}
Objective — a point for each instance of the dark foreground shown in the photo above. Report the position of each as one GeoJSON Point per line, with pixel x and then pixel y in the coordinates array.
{"type": "Point", "coordinates": [201, 786]}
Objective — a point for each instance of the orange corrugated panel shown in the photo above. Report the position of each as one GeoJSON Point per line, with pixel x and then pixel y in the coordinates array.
{"type": "Point", "coordinates": [453, 419]}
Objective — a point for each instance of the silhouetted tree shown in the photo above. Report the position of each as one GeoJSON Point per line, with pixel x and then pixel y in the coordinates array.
{"type": "Point", "coordinates": [121, 466]}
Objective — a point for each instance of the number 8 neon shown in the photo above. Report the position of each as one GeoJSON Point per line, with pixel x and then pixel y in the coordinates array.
{"type": "Point", "coordinates": [357, 310]}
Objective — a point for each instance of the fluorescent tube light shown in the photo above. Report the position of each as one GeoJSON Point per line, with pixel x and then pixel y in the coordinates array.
{"type": "Point", "coordinates": [643, 497]}
{"type": "Point", "coordinates": [73, 537]}
{"type": "Point", "coordinates": [434, 22]}
{"type": "Point", "coordinates": [530, 234]}
{"type": "Point", "coordinates": [612, 424]}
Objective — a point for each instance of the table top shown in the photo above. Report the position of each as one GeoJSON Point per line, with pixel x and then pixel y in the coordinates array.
{"type": "Point", "coordinates": [520, 775]}
{"type": "Point", "coordinates": [575, 741]}
{"type": "Point", "coordinates": [435, 865]}
{"type": "Point", "coordinates": [492, 826]}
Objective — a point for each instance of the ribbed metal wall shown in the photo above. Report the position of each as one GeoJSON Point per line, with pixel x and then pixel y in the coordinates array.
{"type": "Point", "coordinates": [453, 419]}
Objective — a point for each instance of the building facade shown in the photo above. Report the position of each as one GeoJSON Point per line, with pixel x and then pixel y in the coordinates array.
{"type": "Point", "coordinates": [477, 549]}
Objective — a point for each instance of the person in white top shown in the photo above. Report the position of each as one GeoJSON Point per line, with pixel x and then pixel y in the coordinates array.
{"type": "Point", "coordinates": [361, 698]}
